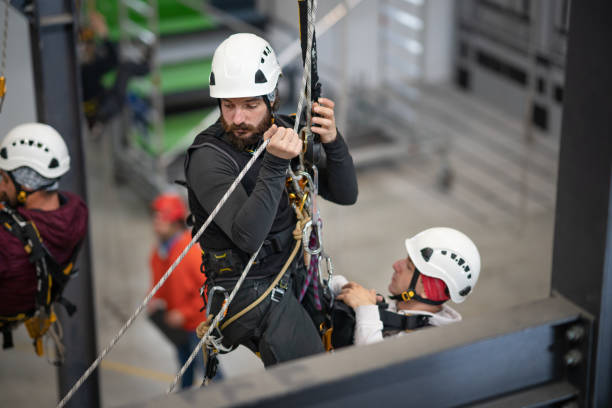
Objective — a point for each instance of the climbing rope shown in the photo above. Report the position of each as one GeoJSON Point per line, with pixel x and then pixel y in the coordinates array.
{"type": "Point", "coordinates": [3, 60]}
{"type": "Point", "coordinates": [305, 85]}
{"type": "Point", "coordinates": [129, 322]}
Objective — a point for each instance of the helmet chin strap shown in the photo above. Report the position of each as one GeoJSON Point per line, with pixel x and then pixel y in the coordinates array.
{"type": "Point", "coordinates": [410, 294]}
{"type": "Point", "coordinates": [22, 194]}
{"type": "Point", "coordinates": [269, 100]}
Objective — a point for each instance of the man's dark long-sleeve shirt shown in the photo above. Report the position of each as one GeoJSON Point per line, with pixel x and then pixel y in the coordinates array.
{"type": "Point", "coordinates": [247, 219]}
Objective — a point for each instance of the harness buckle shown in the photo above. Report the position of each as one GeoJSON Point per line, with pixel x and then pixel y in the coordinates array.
{"type": "Point", "coordinates": [279, 289]}
{"type": "Point", "coordinates": [277, 294]}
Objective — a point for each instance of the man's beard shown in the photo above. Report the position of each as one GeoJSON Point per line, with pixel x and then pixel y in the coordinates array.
{"type": "Point", "coordinates": [241, 143]}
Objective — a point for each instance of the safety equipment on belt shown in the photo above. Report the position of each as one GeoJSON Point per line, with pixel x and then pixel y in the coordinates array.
{"type": "Point", "coordinates": [170, 207]}
{"type": "Point", "coordinates": [342, 324]}
{"type": "Point", "coordinates": [225, 264]}
{"type": "Point", "coordinates": [51, 279]}
{"type": "Point", "coordinates": [446, 254]}
{"type": "Point", "coordinates": [244, 65]}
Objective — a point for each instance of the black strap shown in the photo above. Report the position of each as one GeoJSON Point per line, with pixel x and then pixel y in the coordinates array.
{"type": "Point", "coordinates": [276, 243]}
{"type": "Point", "coordinates": [396, 321]}
{"type": "Point", "coordinates": [212, 362]}
{"type": "Point", "coordinates": [411, 292]}
{"type": "Point", "coordinates": [342, 319]}
{"type": "Point", "coordinates": [68, 305]}
{"type": "Point", "coordinates": [314, 74]}
{"type": "Point", "coordinates": [7, 338]}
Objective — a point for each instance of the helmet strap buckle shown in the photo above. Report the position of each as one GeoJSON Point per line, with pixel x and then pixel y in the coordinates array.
{"type": "Point", "coordinates": [22, 196]}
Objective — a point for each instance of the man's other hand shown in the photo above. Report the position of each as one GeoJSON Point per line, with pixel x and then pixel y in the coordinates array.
{"type": "Point", "coordinates": [284, 142]}
{"type": "Point", "coordinates": [355, 295]}
{"type": "Point", "coordinates": [203, 327]}
{"type": "Point", "coordinates": [326, 120]}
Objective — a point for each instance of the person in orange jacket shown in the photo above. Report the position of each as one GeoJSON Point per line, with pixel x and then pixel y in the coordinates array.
{"type": "Point", "coordinates": [175, 308]}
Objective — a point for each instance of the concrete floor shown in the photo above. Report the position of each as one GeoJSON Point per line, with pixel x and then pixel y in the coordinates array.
{"type": "Point", "coordinates": [502, 196]}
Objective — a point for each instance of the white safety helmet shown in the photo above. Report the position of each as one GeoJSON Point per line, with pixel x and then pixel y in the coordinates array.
{"type": "Point", "coordinates": [449, 255]}
{"type": "Point", "coordinates": [244, 65]}
{"type": "Point", "coordinates": [37, 146]}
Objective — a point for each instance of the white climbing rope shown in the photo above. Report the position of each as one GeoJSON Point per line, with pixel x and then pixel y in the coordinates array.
{"type": "Point", "coordinates": [3, 56]}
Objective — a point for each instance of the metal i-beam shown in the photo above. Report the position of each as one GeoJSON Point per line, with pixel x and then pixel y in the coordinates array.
{"type": "Point", "coordinates": [53, 28]}
{"type": "Point", "coordinates": [468, 362]}
{"type": "Point", "coordinates": [582, 255]}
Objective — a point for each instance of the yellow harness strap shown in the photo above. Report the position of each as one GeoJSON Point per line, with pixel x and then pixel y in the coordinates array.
{"type": "Point", "coordinates": [37, 327]}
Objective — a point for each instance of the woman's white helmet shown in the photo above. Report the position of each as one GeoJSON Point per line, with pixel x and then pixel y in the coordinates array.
{"type": "Point", "coordinates": [243, 65]}
{"type": "Point", "coordinates": [37, 146]}
{"type": "Point", "coordinates": [449, 255]}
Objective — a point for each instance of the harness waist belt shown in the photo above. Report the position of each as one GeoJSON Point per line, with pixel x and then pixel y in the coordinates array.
{"type": "Point", "coordinates": [276, 243]}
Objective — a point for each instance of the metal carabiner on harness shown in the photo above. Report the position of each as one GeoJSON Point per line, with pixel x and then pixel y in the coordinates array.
{"type": "Point", "coordinates": [306, 232]}
{"type": "Point", "coordinates": [211, 295]}
{"type": "Point", "coordinates": [215, 339]}
{"type": "Point", "coordinates": [330, 274]}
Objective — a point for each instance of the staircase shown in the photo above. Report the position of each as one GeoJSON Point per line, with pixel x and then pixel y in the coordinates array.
{"type": "Point", "coordinates": [165, 108]}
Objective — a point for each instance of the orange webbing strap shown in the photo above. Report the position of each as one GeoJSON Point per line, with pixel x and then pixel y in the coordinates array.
{"type": "Point", "coordinates": [326, 337]}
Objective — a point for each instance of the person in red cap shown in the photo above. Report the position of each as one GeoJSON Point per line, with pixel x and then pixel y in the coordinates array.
{"type": "Point", "coordinates": [442, 264]}
{"type": "Point", "coordinates": [175, 308]}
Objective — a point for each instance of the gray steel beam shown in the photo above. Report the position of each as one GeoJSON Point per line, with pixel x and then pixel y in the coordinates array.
{"type": "Point", "coordinates": [543, 396]}
{"type": "Point", "coordinates": [582, 254]}
{"type": "Point", "coordinates": [58, 101]}
{"type": "Point", "coordinates": [465, 363]}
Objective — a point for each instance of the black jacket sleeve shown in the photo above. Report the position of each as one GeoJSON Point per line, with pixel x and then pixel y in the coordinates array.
{"type": "Point", "coordinates": [245, 219]}
{"type": "Point", "coordinates": [337, 177]}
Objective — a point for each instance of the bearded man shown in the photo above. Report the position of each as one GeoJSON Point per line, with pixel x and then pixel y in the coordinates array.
{"type": "Point", "coordinates": [244, 79]}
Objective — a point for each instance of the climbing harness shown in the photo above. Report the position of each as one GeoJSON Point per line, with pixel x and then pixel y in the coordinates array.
{"type": "Point", "coordinates": [51, 279]}
{"type": "Point", "coordinates": [213, 342]}
{"type": "Point", "coordinates": [3, 60]}
{"type": "Point", "coordinates": [342, 333]}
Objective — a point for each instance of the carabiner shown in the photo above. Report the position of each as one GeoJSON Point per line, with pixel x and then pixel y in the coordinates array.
{"type": "Point", "coordinates": [306, 239]}
{"type": "Point", "coordinates": [211, 295]}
